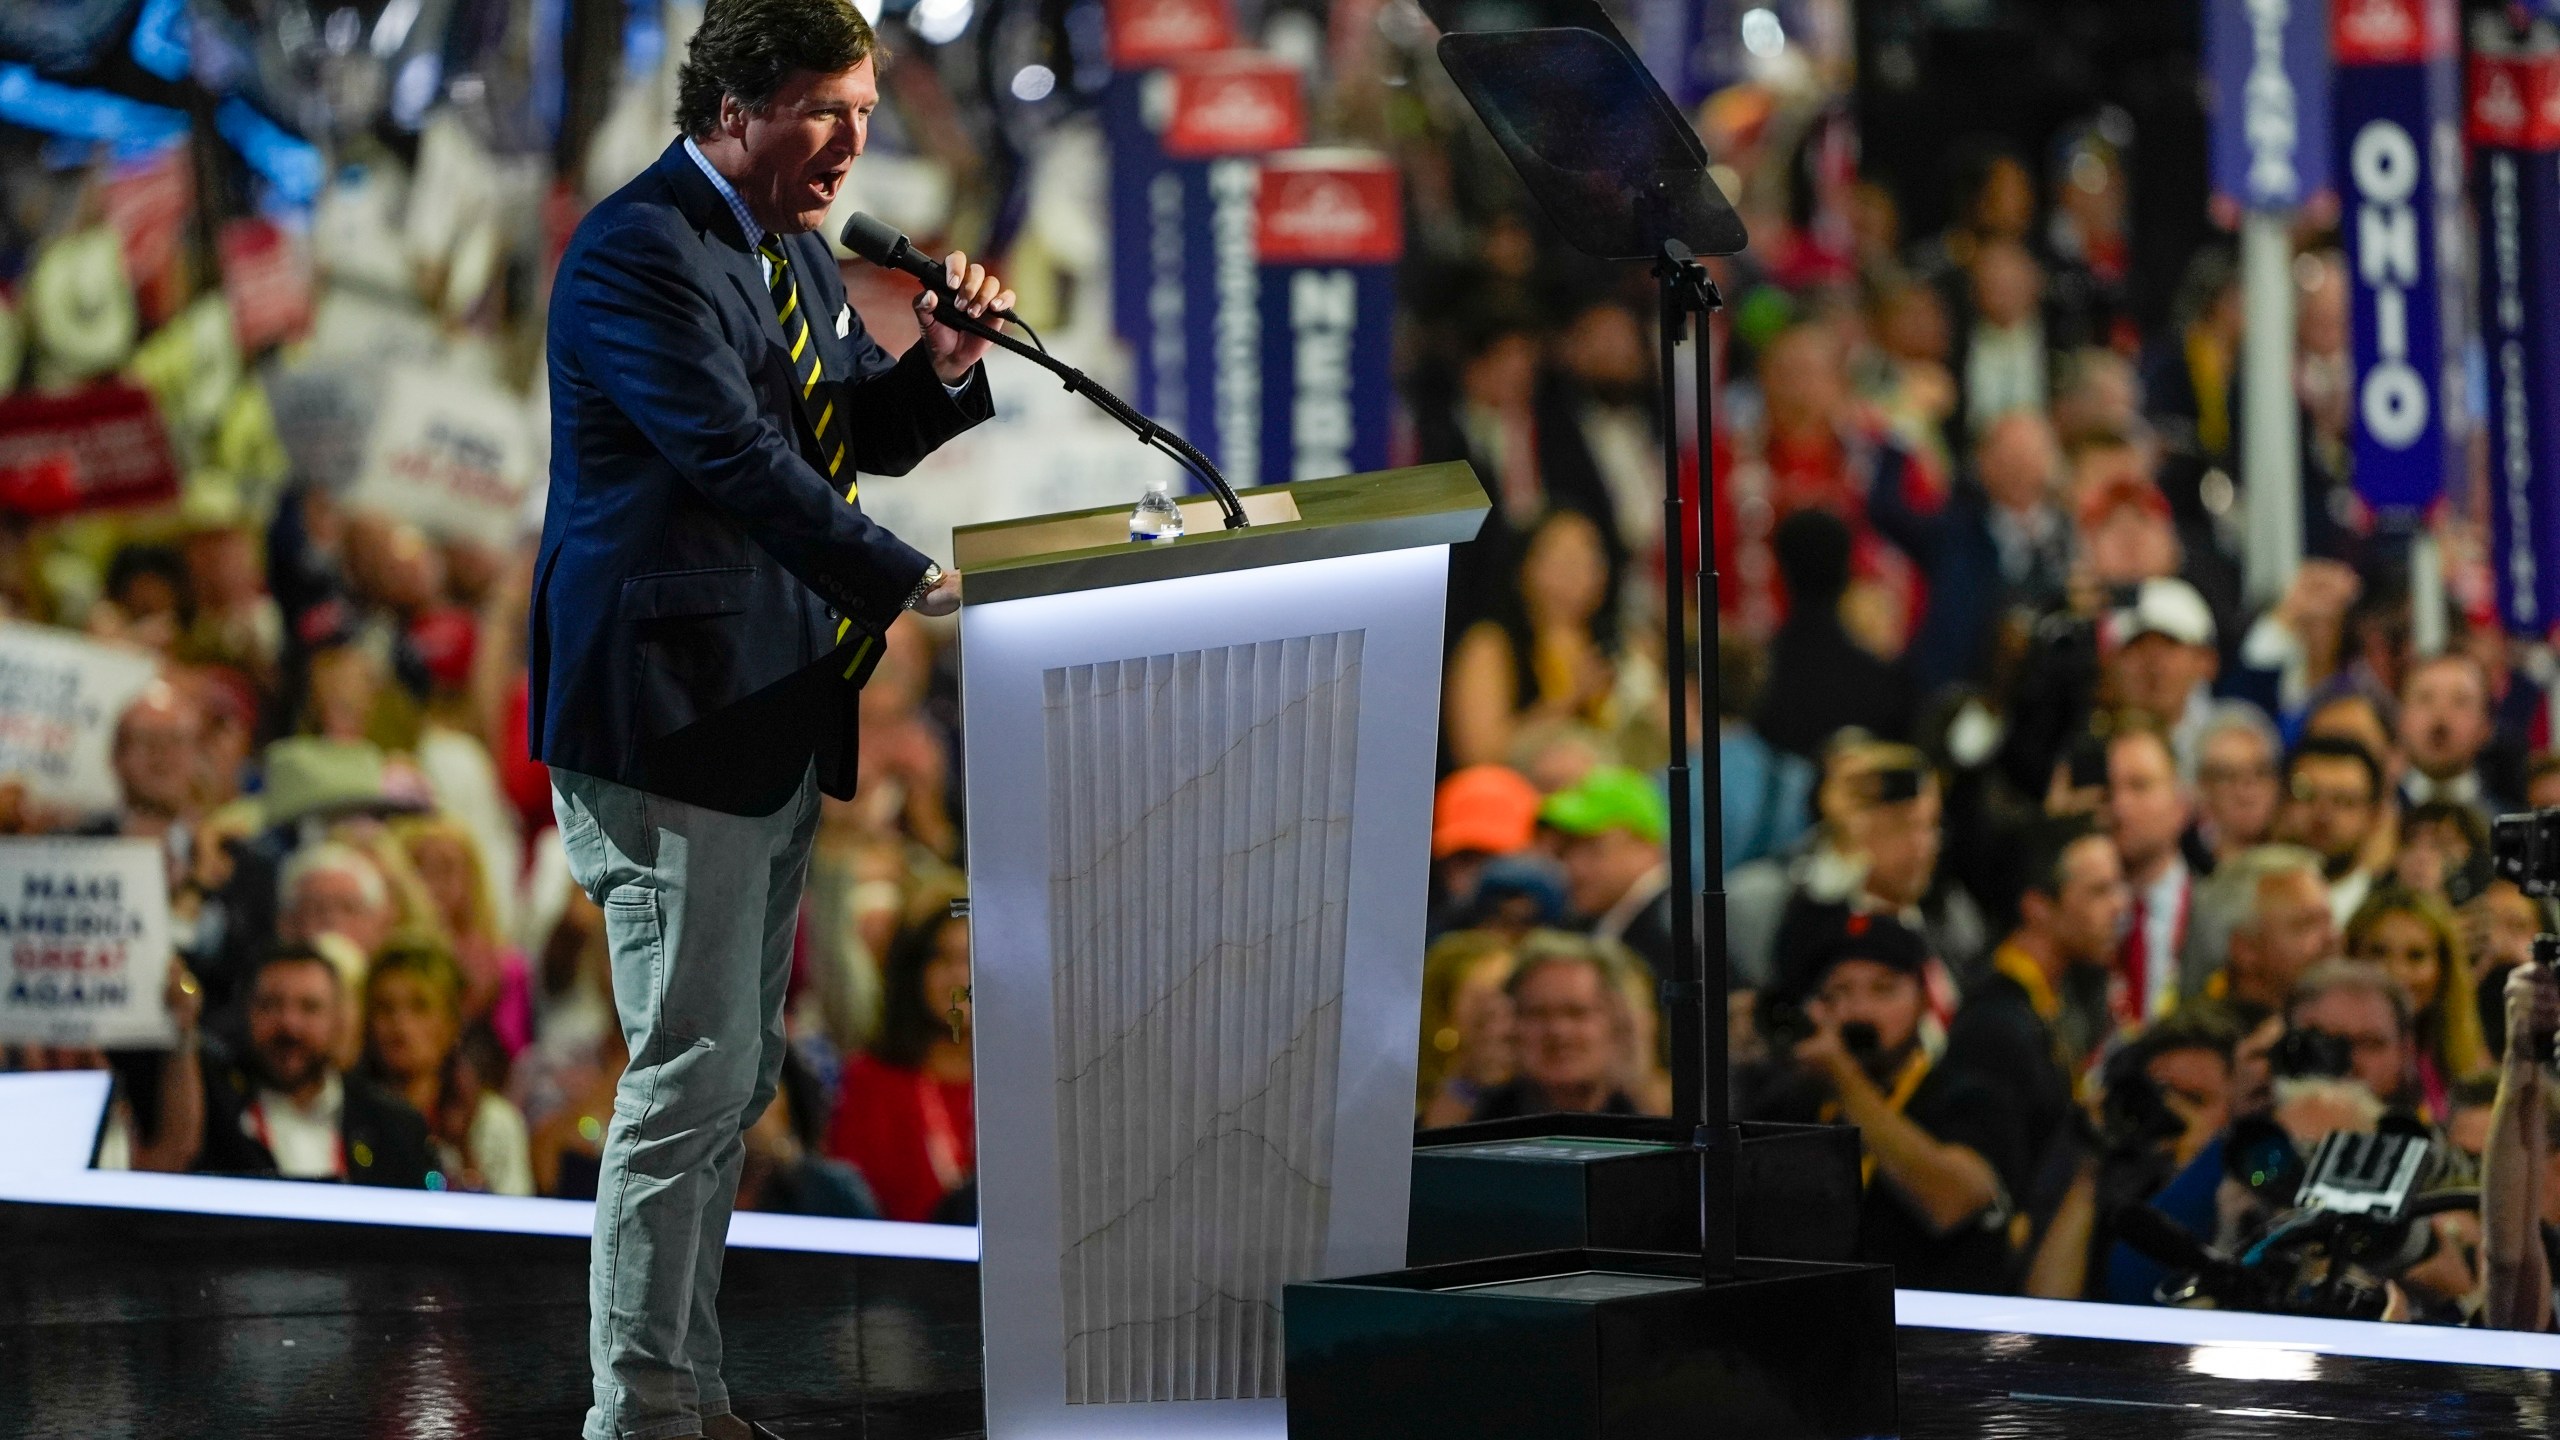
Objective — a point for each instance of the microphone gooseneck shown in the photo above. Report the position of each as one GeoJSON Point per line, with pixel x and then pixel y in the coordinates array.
{"type": "Point", "coordinates": [882, 245]}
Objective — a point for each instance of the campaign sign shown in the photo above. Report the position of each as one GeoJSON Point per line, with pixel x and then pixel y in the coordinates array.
{"type": "Point", "coordinates": [449, 451]}
{"type": "Point", "coordinates": [2513, 109]}
{"type": "Point", "coordinates": [267, 276]}
{"type": "Point", "coordinates": [2267, 62]}
{"type": "Point", "coordinates": [1330, 229]}
{"type": "Point", "coordinates": [101, 446]}
{"type": "Point", "coordinates": [1140, 33]}
{"type": "Point", "coordinates": [84, 928]}
{"type": "Point", "coordinates": [147, 202]}
{"type": "Point", "coordinates": [1191, 310]}
{"type": "Point", "coordinates": [60, 699]}
{"type": "Point", "coordinates": [2399, 181]}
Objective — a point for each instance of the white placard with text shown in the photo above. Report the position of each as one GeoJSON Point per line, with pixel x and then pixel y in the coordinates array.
{"type": "Point", "coordinates": [84, 943]}
{"type": "Point", "coordinates": [60, 698]}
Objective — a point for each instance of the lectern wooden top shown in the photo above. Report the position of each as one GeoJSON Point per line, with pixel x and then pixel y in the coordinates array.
{"type": "Point", "coordinates": [1309, 520]}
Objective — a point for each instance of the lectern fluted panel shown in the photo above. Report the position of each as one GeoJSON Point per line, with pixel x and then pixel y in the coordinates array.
{"type": "Point", "coordinates": [1200, 845]}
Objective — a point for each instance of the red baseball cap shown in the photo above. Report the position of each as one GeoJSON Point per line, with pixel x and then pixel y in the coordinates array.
{"type": "Point", "coordinates": [2108, 495]}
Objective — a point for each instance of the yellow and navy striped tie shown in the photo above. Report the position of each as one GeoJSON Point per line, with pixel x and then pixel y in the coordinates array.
{"type": "Point", "coordinates": [807, 368]}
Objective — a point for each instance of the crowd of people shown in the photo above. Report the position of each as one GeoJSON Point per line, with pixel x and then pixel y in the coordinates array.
{"type": "Point", "coordinates": [2049, 858]}
{"type": "Point", "coordinates": [384, 975]}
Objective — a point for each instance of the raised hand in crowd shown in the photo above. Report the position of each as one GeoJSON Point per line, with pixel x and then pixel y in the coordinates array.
{"type": "Point", "coordinates": [2515, 1185]}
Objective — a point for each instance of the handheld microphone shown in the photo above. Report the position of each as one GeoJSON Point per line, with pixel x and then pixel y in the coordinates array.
{"type": "Point", "coordinates": [877, 241]}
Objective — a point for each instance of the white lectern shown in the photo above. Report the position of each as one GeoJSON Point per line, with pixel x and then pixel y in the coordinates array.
{"type": "Point", "coordinates": [1199, 805]}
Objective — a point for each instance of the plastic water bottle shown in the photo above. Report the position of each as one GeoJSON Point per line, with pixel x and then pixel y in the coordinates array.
{"type": "Point", "coordinates": [1157, 519]}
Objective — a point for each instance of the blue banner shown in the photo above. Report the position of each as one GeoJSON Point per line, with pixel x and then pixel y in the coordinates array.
{"type": "Point", "coordinates": [2400, 158]}
{"type": "Point", "coordinates": [1327, 367]}
{"type": "Point", "coordinates": [1186, 284]}
{"type": "Point", "coordinates": [2267, 62]}
{"type": "Point", "coordinates": [2516, 170]}
{"type": "Point", "coordinates": [1136, 157]}
{"type": "Point", "coordinates": [1331, 230]}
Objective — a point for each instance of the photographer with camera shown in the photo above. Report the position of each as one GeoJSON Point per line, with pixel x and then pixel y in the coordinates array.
{"type": "Point", "coordinates": [1894, 832]}
{"type": "Point", "coordinates": [1945, 1145]}
{"type": "Point", "coordinates": [2166, 1100]}
{"type": "Point", "coordinates": [2042, 1011]}
{"type": "Point", "coordinates": [2519, 1199]}
{"type": "Point", "coordinates": [2365, 1014]}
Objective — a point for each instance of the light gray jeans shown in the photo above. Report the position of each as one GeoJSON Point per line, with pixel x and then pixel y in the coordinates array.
{"type": "Point", "coordinates": [699, 911]}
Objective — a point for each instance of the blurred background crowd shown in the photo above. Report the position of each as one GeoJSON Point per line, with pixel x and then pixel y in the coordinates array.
{"type": "Point", "coordinates": [2048, 855]}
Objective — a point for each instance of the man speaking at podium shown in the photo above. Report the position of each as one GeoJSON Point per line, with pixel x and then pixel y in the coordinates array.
{"type": "Point", "coordinates": [708, 598]}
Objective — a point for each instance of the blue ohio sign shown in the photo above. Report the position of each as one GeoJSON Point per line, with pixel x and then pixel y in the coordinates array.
{"type": "Point", "coordinates": [2400, 187]}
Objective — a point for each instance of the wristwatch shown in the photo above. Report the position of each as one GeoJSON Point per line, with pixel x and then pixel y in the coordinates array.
{"type": "Point", "coordinates": [924, 587]}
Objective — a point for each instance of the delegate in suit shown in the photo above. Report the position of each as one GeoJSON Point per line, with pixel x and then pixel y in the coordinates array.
{"type": "Point", "coordinates": [708, 597]}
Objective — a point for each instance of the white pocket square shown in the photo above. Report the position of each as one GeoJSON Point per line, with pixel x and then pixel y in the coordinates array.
{"type": "Point", "coordinates": [844, 322]}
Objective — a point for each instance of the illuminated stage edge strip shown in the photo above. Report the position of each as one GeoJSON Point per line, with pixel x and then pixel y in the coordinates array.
{"type": "Point", "coordinates": [49, 1124]}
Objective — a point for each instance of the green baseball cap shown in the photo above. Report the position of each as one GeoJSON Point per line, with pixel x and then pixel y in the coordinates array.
{"type": "Point", "coordinates": [1611, 797]}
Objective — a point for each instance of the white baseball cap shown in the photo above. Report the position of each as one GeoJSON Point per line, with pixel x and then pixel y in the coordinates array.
{"type": "Point", "coordinates": [2169, 607]}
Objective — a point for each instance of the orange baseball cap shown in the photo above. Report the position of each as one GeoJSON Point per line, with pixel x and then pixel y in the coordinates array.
{"type": "Point", "coordinates": [1487, 808]}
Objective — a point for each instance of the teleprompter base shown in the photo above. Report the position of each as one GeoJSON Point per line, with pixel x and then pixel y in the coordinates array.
{"type": "Point", "coordinates": [1611, 1182]}
{"type": "Point", "coordinates": [1594, 1345]}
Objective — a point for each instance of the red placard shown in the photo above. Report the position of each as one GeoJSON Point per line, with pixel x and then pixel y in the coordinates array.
{"type": "Point", "coordinates": [2391, 32]}
{"type": "Point", "coordinates": [1141, 33]}
{"type": "Point", "coordinates": [268, 279]}
{"type": "Point", "coordinates": [1331, 207]}
{"type": "Point", "coordinates": [2494, 105]}
{"type": "Point", "coordinates": [91, 449]}
{"type": "Point", "coordinates": [2513, 101]}
{"type": "Point", "coordinates": [1241, 103]}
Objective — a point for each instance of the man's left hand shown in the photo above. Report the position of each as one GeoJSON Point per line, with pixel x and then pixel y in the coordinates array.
{"type": "Point", "coordinates": [956, 353]}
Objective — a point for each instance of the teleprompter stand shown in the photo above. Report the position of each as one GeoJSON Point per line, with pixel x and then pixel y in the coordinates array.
{"type": "Point", "coordinates": [1595, 1342]}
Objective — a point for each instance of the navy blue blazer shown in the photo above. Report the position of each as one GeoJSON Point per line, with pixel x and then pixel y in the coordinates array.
{"type": "Point", "coordinates": [694, 559]}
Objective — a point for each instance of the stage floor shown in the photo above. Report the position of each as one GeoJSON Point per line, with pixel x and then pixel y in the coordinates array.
{"type": "Point", "coordinates": [132, 1323]}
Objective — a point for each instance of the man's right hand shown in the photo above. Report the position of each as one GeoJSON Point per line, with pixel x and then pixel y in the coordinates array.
{"type": "Point", "coordinates": [944, 597]}
{"type": "Point", "coordinates": [2533, 1012]}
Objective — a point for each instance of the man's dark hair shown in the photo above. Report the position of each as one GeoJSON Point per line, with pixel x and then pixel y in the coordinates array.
{"type": "Point", "coordinates": [2190, 1027]}
{"type": "Point", "coordinates": [2040, 849]}
{"type": "Point", "coordinates": [2474, 829]}
{"type": "Point", "coordinates": [137, 562]}
{"type": "Point", "coordinates": [2334, 747]}
{"type": "Point", "coordinates": [746, 49]}
{"type": "Point", "coordinates": [292, 955]}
